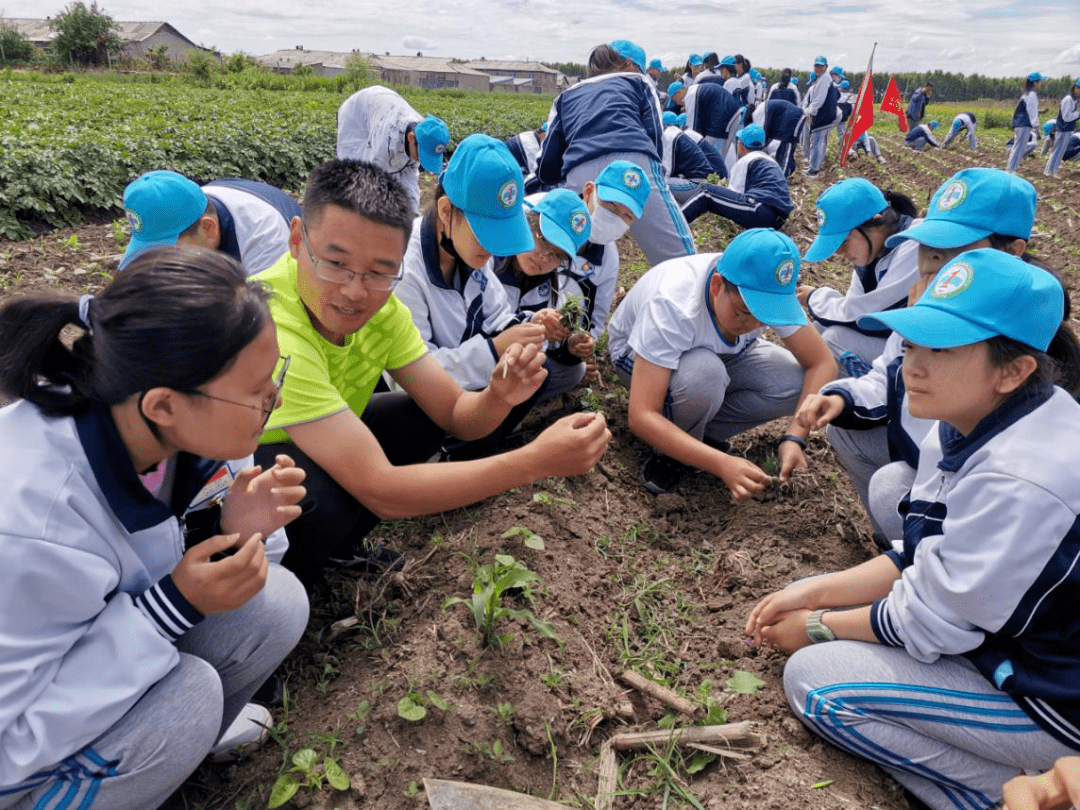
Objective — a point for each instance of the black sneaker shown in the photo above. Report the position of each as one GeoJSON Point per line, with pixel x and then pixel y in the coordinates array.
{"type": "Point", "coordinates": [660, 473]}
{"type": "Point", "coordinates": [369, 559]}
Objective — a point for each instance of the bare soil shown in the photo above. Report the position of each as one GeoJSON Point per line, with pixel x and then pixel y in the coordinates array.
{"type": "Point", "coordinates": [658, 584]}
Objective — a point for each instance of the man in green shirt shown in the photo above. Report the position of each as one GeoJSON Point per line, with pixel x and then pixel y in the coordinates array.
{"type": "Point", "coordinates": [340, 325]}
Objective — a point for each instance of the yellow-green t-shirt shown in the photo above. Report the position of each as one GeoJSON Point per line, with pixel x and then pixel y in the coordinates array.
{"type": "Point", "coordinates": [324, 379]}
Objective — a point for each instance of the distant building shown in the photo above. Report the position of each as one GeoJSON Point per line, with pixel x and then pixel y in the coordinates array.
{"type": "Point", "coordinates": [138, 37]}
{"type": "Point", "coordinates": [322, 63]}
{"type": "Point", "coordinates": [430, 72]}
{"type": "Point", "coordinates": [519, 77]}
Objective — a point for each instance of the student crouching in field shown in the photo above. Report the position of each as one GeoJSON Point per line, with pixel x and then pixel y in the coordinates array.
{"type": "Point", "coordinates": [953, 661]}
{"type": "Point", "coordinates": [686, 342]}
{"type": "Point", "coordinates": [130, 645]}
{"type": "Point", "coordinates": [921, 136]}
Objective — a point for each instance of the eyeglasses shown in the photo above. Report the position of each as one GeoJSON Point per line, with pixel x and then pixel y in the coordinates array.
{"type": "Point", "coordinates": [267, 408]}
{"type": "Point", "coordinates": [338, 273]}
{"type": "Point", "coordinates": [552, 257]}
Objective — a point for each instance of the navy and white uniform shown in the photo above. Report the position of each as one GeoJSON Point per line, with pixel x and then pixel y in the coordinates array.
{"type": "Point", "coordinates": [916, 108]}
{"type": "Point", "coordinates": [1068, 113]}
{"type": "Point", "coordinates": [866, 143]}
{"type": "Point", "coordinates": [716, 162]}
{"type": "Point", "coordinates": [253, 219]}
{"type": "Point", "coordinates": [685, 164]}
{"type": "Point", "coordinates": [965, 121]}
{"type": "Point", "coordinates": [821, 106]}
{"type": "Point", "coordinates": [714, 112]}
{"type": "Point", "coordinates": [920, 137]}
{"type": "Point", "coordinates": [92, 618]}
{"type": "Point", "coordinates": [881, 285]}
{"type": "Point", "coordinates": [787, 93]}
{"type": "Point", "coordinates": [611, 117]}
{"type": "Point", "coordinates": [1025, 121]}
{"type": "Point", "coordinates": [457, 320]}
{"type": "Point", "coordinates": [742, 89]}
{"type": "Point", "coordinates": [757, 195]}
{"type": "Point", "coordinates": [977, 672]}
{"type": "Point", "coordinates": [525, 147]}
{"type": "Point", "coordinates": [783, 123]}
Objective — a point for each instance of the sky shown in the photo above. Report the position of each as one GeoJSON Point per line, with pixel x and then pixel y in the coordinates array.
{"type": "Point", "coordinates": [991, 37]}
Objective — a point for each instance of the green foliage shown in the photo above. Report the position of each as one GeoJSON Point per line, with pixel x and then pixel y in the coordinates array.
{"type": "Point", "coordinates": [203, 66]}
{"type": "Point", "coordinates": [490, 585]}
{"type": "Point", "coordinates": [305, 773]}
{"type": "Point", "coordinates": [85, 36]}
{"type": "Point", "coordinates": [744, 683]}
{"type": "Point", "coordinates": [529, 538]}
{"type": "Point", "coordinates": [14, 47]}
{"type": "Point", "coordinates": [409, 709]}
{"type": "Point", "coordinates": [158, 56]}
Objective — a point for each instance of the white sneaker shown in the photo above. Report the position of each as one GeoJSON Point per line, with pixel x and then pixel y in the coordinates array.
{"type": "Point", "coordinates": [247, 733]}
{"type": "Point", "coordinates": [880, 159]}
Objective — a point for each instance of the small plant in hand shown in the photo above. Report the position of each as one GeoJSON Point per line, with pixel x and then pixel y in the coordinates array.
{"type": "Point", "coordinates": [573, 314]}
{"type": "Point", "coordinates": [491, 583]}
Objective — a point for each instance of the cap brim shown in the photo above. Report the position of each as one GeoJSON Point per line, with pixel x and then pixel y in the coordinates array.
{"type": "Point", "coordinates": [556, 236]}
{"type": "Point", "coordinates": [431, 161]}
{"type": "Point", "coordinates": [507, 236]}
{"type": "Point", "coordinates": [774, 309]}
{"type": "Point", "coordinates": [614, 195]}
{"type": "Point", "coordinates": [926, 325]}
{"type": "Point", "coordinates": [824, 246]}
{"type": "Point", "coordinates": [137, 246]}
{"type": "Point", "coordinates": [940, 234]}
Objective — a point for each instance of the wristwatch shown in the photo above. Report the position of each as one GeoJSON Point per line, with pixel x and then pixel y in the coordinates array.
{"type": "Point", "coordinates": [815, 630]}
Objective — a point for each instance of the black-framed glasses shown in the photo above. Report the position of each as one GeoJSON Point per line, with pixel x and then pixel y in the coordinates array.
{"type": "Point", "coordinates": [553, 257]}
{"type": "Point", "coordinates": [267, 408]}
{"type": "Point", "coordinates": [338, 273]}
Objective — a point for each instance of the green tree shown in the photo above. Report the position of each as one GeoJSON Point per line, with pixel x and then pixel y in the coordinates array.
{"type": "Point", "coordinates": [85, 35]}
{"type": "Point", "coordinates": [158, 55]}
{"type": "Point", "coordinates": [14, 47]}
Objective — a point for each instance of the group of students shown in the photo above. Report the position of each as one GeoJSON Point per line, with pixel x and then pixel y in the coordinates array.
{"type": "Point", "coordinates": [182, 470]}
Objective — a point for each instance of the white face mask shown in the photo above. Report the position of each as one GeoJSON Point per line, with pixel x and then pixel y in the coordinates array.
{"type": "Point", "coordinates": [607, 227]}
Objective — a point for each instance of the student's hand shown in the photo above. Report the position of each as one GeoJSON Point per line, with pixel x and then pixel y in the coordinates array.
{"type": "Point", "coordinates": [816, 411]}
{"type": "Point", "coordinates": [217, 586]}
{"type": "Point", "coordinates": [788, 633]}
{"type": "Point", "coordinates": [519, 372]}
{"type": "Point", "coordinates": [800, 597]}
{"type": "Point", "coordinates": [743, 477]}
{"type": "Point", "coordinates": [592, 372]}
{"type": "Point", "coordinates": [551, 320]}
{"type": "Point", "coordinates": [524, 333]}
{"type": "Point", "coordinates": [572, 445]}
{"type": "Point", "coordinates": [792, 458]}
{"type": "Point", "coordinates": [263, 501]}
{"type": "Point", "coordinates": [581, 344]}
{"type": "Point", "coordinates": [1057, 789]}
{"type": "Point", "coordinates": [803, 293]}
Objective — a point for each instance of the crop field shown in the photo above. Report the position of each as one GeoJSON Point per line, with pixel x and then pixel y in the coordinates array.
{"type": "Point", "coordinates": [433, 674]}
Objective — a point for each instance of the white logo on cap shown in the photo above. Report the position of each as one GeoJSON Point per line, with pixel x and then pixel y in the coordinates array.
{"type": "Point", "coordinates": [631, 178]}
{"type": "Point", "coordinates": [785, 272]}
{"type": "Point", "coordinates": [440, 148]}
{"type": "Point", "coordinates": [952, 195]}
{"type": "Point", "coordinates": [508, 194]}
{"type": "Point", "coordinates": [578, 222]}
{"type": "Point", "coordinates": [820, 218]}
{"type": "Point", "coordinates": [134, 221]}
{"type": "Point", "coordinates": [953, 280]}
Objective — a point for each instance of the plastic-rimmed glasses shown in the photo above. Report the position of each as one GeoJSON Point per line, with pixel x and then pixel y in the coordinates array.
{"type": "Point", "coordinates": [268, 408]}
{"type": "Point", "coordinates": [337, 273]}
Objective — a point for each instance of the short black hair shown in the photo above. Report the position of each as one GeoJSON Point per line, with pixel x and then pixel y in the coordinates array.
{"type": "Point", "coordinates": [362, 188]}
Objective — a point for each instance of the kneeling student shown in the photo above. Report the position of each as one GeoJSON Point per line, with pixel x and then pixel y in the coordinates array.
{"type": "Point", "coordinates": [685, 342]}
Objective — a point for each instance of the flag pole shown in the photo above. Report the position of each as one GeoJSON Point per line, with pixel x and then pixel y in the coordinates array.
{"type": "Point", "coordinates": [858, 110]}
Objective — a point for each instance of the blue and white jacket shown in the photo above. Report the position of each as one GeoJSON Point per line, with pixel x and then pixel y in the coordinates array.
{"type": "Point", "coordinates": [1027, 110]}
{"type": "Point", "coordinates": [820, 103]}
{"type": "Point", "coordinates": [709, 109]}
{"type": "Point", "coordinates": [789, 93]}
{"type": "Point", "coordinates": [90, 614]}
{"type": "Point", "coordinates": [457, 320]}
{"type": "Point", "coordinates": [883, 284]}
{"type": "Point", "coordinates": [614, 112]}
{"type": "Point", "coordinates": [254, 220]}
{"type": "Point", "coordinates": [525, 147]}
{"type": "Point", "coordinates": [919, 135]}
{"type": "Point", "coordinates": [917, 105]}
{"type": "Point", "coordinates": [781, 120]}
{"type": "Point", "coordinates": [758, 175]}
{"type": "Point", "coordinates": [990, 559]}
{"type": "Point", "coordinates": [1068, 112]}
{"type": "Point", "coordinates": [683, 156]}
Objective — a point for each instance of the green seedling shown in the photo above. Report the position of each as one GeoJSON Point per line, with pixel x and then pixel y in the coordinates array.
{"type": "Point", "coordinates": [528, 537]}
{"type": "Point", "coordinates": [490, 585]}
{"type": "Point", "coordinates": [306, 773]}
{"type": "Point", "coordinates": [744, 683]}
{"type": "Point", "coordinates": [573, 314]}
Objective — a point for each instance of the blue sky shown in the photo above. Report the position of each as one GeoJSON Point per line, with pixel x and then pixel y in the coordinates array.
{"type": "Point", "coordinates": [992, 37]}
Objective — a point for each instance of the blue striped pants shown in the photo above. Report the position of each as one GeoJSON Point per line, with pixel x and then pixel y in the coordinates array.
{"type": "Point", "coordinates": [941, 729]}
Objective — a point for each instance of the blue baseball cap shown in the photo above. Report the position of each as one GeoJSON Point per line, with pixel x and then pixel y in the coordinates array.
{"type": "Point", "coordinates": [628, 50]}
{"type": "Point", "coordinates": [755, 74]}
{"type": "Point", "coordinates": [957, 124]}
{"type": "Point", "coordinates": [564, 220]}
{"type": "Point", "coordinates": [752, 136]}
{"type": "Point", "coordinates": [669, 118]}
{"type": "Point", "coordinates": [160, 206]}
{"type": "Point", "coordinates": [795, 80]}
{"type": "Point", "coordinates": [845, 85]}
{"type": "Point", "coordinates": [680, 120]}
{"type": "Point", "coordinates": [484, 181]}
{"type": "Point", "coordinates": [695, 59]}
{"type": "Point", "coordinates": [432, 138]}
{"type": "Point", "coordinates": [933, 125]}
{"type": "Point", "coordinates": [821, 60]}
{"type": "Point", "coordinates": [836, 69]}
{"type": "Point", "coordinates": [841, 208]}
{"type": "Point", "coordinates": [626, 183]}
{"type": "Point", "coordinates": [1035, 77]}
{"type": "Point", "coordinates": [764, 265]}
{"type": "Point", "coordinates": [978, 295]}
{"type": "Point", "coordinates": [1049, 125]}
{"type": "Point", "coordinates": [728, 61]}
{"type": "Point", "coordinates": [971, 205]}
{"type": "Point", "coordinates": [656, 63]}
{"type": "Point", "coordinates": [1077, 83]}
{"type": "Point", "coordinates": [674, 88]}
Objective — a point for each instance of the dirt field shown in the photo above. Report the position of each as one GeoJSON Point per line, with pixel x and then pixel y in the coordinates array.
{"type": "Point", "coordinates": [661, 585]}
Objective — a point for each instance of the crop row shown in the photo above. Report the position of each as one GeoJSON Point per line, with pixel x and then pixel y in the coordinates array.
{"type": "Point", "coordinates": [69, 148]}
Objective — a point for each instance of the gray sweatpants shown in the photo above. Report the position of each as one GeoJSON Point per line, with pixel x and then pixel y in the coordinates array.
{"type": "Point", "coordinates": [151, 750]}
{"type": "Point", "coordinates": [719, 396]}
{"type": "Point", "coordinates": [661, 232]}
{"type": "Point", "coordinates": [880, 482]}
{"type": "Point", "coordinates": [941, 729]}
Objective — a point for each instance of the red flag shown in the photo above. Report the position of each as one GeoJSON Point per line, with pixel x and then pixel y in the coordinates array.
{"type": "Point", "coordinates": [862, 114]}
{"type": "Point", "coordinates": [891, 104]}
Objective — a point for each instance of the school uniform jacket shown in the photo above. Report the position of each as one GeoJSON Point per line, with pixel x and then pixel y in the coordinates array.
{"type": "Point", "coordinates": [716, 161]}
{"type": "Point", "coordinates": [614, 112]}
{"type": "Point", "coordinates": [759, 176]}
{"type": "Point", "coordinates": [253, 219]}
{"type": "Point", "coordinates": [1027, 110]}
{"type": "Point", "coordinates": [781, 120]}
{"type": "Point", "coordinates": [789, 93]}
{"type": "Point", "coordinates": [990, 557]}
{"type": "Point", "coordinates": [683, 157]}
{"type": "Point", "coordinates": [91, 615]}
{"type": "Point", "coordinates": [525, 147]}
{"type": "Point", "coordinates": [917, 105]}
{"type": "Point", "coordinates": [821, 99]}
{"type": "Point", "coordinates": [1068, 112]}
{"type": "Point", "coordinates": [709, 109]}
{"type": "Point", "coordinates": [457, 321]}
{"type": "Point", "coordinates": [919, 134]}
{"type": "Point", "coordinates": [883, 284]}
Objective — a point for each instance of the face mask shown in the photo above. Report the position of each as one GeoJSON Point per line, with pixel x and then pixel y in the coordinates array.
{"type": "Point", "coordinates": [606, 226]}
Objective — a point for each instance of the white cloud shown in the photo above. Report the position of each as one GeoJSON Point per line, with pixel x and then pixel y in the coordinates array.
{"type": "Point", "coordinates": [1069, 56]}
